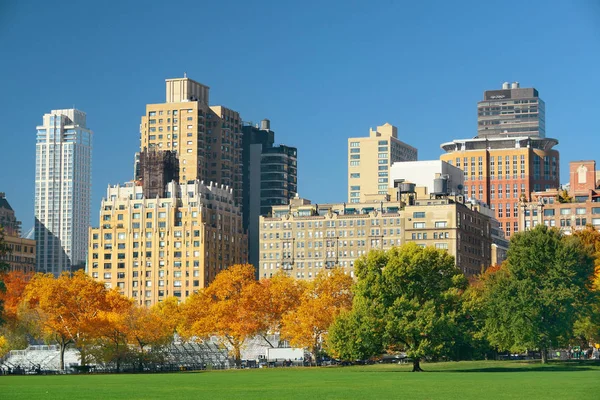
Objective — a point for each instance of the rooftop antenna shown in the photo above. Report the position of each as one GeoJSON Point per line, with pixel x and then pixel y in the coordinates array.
{"type": "Point", "coordinates": [185, 74]}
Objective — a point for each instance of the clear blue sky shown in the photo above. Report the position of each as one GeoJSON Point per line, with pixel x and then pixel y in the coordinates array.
{"type": "Point", "coordinates": [322, 71]}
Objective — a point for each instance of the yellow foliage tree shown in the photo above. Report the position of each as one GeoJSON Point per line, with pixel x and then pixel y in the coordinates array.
{"type": "Point", "coordinates": [225, 309]}
{"type": "Point", "coordinates": [148, 328]}
{"type": "Point", "coordinates": [115, 328]}
{"type": "Point", "coordinates": [67, 309]}
{"type": "Point", "coordinates": [15, 326]}
{"type": "Point", "coordinates": [325, 297]}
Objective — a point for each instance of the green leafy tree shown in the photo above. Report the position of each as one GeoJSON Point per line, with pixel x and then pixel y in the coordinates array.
{"type": "Point", "coordinates": [533, 301]}
{"type": "Point", "coordinates": [406, 299]}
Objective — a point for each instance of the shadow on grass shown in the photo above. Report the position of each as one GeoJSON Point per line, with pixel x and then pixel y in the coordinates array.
{"type": "Point", "coordinates": [510, 366]}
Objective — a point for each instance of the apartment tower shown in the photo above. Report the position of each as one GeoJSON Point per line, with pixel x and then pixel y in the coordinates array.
{"type": "Point", "coordinates": [369, 161]}
{"type": "Point", "coordinates": [207, 139]}
{"type": "Point", "coordinates": [63, 180]}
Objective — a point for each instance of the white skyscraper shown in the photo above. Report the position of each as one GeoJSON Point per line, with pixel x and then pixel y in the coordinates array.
{"type": "Point", "coordinates": [63, 183]}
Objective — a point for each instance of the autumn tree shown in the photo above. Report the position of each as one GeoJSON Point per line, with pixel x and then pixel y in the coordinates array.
{"type": "Point", "coordinates": [148, 328]}
{"type": "Point", "coordinates": [540, 291]}
{"type": "Point", "coordinates": [67, 309]}
{"type": "Point", "coordinates": [324, 298]}
{"type": "Point", "coordinates": [226, 309]}
{"type": "Point", "coordinates": [406, 299]}
{"type": "Point", "coordinates": [274, 298]}
{"type": "Point", "coordinates": [16, 327]}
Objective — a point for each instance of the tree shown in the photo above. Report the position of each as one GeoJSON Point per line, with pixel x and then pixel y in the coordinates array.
{"type": "Point", "coordinates": [67, 309]}
{"type": "Point", "coordinates": [16, 327]}
{"type": "Point", "coordinates": [226, 308]}
{"type": "Point", "coordinates": [540, 291]}
{"type": "Point", "coordinates": [4, 252]}
{"type": "Point", "coordinates": [113, 343]}
{"type": "Point", "coordinates": [274, 298]}
{"type": "Point", "coordinates": [406, 299]}
{"type": "Point", "coordinates": [325, 298]}
{"type": "Point", "coordinates": [148, 328]}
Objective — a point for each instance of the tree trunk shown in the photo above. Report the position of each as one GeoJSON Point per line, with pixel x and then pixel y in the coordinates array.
{"type": "Point", "coordinates": [63, 347]}
{"type": "Point", "coordinates": [544, 353]}
{"type": "Point", "coordinates": [238, 356]}
{"type": "Point", "coordinates": [417, 365]}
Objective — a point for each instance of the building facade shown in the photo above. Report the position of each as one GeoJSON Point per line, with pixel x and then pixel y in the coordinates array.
{"type": "Point", "coordinates": [307, 239]}
{"type": "Point", "coordinates": [511, 111]}
{"type": "Point", "coordinates": [153, 248]}
{"type": "Point", "coordinates": [270, 178]}
{"type": "Point", "coordinates": [207, 139]}
{"type": "Point", "coordinates": [369, 161]}
{"type": "Point", "coordinates": [581, 206]}
{"type": "Point", "coordinates": [500, 171]}
{"type": "Point", "coordinates": [22, 251]}
{"type": "Point", "coordinates": [63, 179]}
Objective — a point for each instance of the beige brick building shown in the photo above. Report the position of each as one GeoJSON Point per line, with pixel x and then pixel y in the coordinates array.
{"type": "Point", "coordinates": [306, 239]}
{"type": "Point", "coordinates": [370, 159]}
{"type": "Point", "coordinates": [22, 250]}
{"type": "Point", "coordinates": [207, 139]}
{"type": "Point", "coordinates": [152, 248]}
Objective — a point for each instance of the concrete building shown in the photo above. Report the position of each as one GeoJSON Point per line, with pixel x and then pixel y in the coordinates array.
{"type": "Point", "coordinates": [581, 207]}
{"type": "Point", "coordinates": [270, 178]}
{"type": "Point", "coordinates": [511, 111]}
{"type": "Point", "coordinates": [22, 250]}
{"type": "Point", "coordinates": [501, 170]}
{"type": "Point", "coordinates": [63, 180]}
{"type": "Point", "coordinates": [306, 239]}
{"type": "Point", "coordinates": [152, 248]}
{"type": "Point", "coordinates": [424, 174]}
{"type": "Point", "coordinates": [369, 161]}
{"type": "Point", "coordinates": [207, 139]}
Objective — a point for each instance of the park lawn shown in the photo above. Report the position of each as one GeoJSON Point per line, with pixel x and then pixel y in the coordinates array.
{"type": "Point", "coordinates": [452, 380]}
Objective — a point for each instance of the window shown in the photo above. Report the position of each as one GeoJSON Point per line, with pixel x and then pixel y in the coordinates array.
{"type": "Point", "coordinates": [355, 175]}
{"type": "Point", "coordinates": [419, 214]}
{"type": "Point", "coordinates": [441, 224]}
{"type": "Point", "coordinates": [548, 213]}
{"type": "Point", "coordinates": [354, 144]}
{"type": "Point", "coordinates": [418, 225]}
{"type": "Point", "coordinates": [354, 163]}
{"type": "Point", "coordinates": [565, 211]}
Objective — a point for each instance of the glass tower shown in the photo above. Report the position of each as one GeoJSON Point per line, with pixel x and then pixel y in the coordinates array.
{"type": "Point", "coordinates": [63, 180]}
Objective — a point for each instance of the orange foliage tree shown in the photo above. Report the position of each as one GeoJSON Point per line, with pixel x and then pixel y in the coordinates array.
{"type": "Point", "coordinates": [148, 328]}
{"type": "Point", "coordinates": [225, 309]}
{"type": "Point", "coordinates": [67, 309]}
{"type": "Point", "coordinates": [591, 238]}
{"type": "Point", "coordinates": [14, 326]}
{"type": "Point", "coordinates": [324, 298]}
{"type": "Point", "coordinates": [115, 328]}
{"type": "Point", "coordinates": [274, 298]}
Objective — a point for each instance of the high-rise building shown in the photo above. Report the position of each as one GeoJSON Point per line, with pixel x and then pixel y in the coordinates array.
{"type": "Point", "coordinates": [305, 239]}
{"type": "Point", "coordinates": [501, 171]}
{"type": "Point", "coordinates": [155, 170]}
{"type": "Point", "coordinates": [63, 180]}
{"type": "Point", "coordinates": [151, 248]}
{"type": "Point", "coordinates": [21, 256]}
{"type": "Point", "coordinates": [511, 111]}
{"type": "Point", "coordinates": [207, 139]}
{"type": "Point", "coordinates": [369, 161]}
{"type": "Point", "coordinates": [270, 178]}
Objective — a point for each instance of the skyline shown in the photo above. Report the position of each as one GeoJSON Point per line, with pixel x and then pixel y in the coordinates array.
{"type": "Point", "coordinates": [319, 77]}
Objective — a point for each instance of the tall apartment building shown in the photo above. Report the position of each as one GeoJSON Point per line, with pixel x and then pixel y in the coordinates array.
{"type": "Point", "coordinates": [502, 171]}
{"type": "Point", "coordinates": [173, 245]}
{"type": "Point", "coordinates": [307, 239]}
{"type": "Point", "coordinates": [63, 180]}
{"type": "Point", "coordinates": [369, 160]}
{"type": "Point", "coordinates": [207, 139]}
{"type": "Point", "coordinates": [22, 251]}
{"type": "Point", "coordinates": [270, 179]}
{"type": "Point", "coordinates": [581, 208]}
{"type": "Point", "coordinates": [511, 111]}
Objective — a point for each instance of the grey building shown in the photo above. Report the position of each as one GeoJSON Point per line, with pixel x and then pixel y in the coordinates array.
{"type": "Point", "coordinates": [270, 178]}
{"type": "Point", "coordinates": [511, 111]}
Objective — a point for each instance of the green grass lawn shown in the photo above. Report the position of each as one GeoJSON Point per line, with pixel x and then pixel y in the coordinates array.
{"type": "Point", "coordinates": [459, 380]}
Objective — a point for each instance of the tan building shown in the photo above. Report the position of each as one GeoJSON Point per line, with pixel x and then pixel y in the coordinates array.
{"type": "Point", "coordinates": [370, 159]}
{"type": "Point", "coordinates": [207, 139]}
{"type": "Point", "coordinates": [580, 208]}
{"type": "Point", "coordinates": [306, 239]}
{"type": "Point", "coordinates": [501, 170]}
{"type": "Point", "coordinates": [152, 248]}
{"type": "Point", "coordinates": [22, 251]}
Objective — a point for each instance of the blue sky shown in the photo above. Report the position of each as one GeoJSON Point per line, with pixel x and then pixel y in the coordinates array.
{"type": "Point", "coordinates": [321, 71]}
